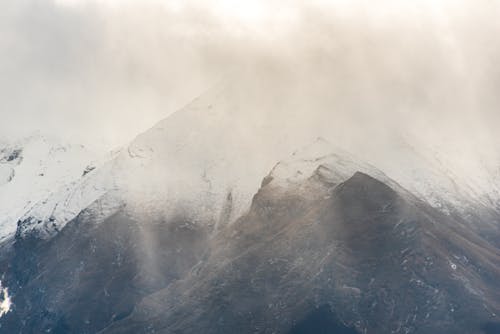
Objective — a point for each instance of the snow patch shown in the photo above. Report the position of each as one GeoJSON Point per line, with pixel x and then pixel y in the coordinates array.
{"type": "Point", "coordinates": [5, 300]}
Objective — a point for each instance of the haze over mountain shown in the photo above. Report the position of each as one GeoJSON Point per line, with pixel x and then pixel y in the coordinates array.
{"type": "Point", "coordinates": [216, 146]}
{"type": "Point", "coordinates": [184, 219]}
{"type": "Point", "coordinates": [337, 169]}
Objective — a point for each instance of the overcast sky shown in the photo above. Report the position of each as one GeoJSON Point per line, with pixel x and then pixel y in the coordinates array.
{"type": "Point", "coordinates": [100, 72]}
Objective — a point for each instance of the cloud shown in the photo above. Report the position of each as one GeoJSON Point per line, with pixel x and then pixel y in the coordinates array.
{"type": "Point", "coordinates": [99, 72]}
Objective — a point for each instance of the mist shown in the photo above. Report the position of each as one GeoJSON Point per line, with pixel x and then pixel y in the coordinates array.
{"type": "Point", "coordinates": [100, 72]}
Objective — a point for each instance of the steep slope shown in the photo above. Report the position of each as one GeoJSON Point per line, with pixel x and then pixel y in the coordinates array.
{"type": "Point", "coordinates": [93, 274]}
{"type": "Point", "coordinates": [33, 168]}
{"type": "Point", "coordinates": [322, 242]}
{"type": "Point", "coordinates": [356, 255]}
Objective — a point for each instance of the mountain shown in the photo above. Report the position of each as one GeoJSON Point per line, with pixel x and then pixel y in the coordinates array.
{"type": "Point", "coordinates": [357, 256]}
{"type": "Point", "coordinates": [33, 168]}
{"type": "Point", "coordinates": [192, 159]}
{"type": "Point", "coordinates": [221, 145]}
{"type": "Point", "coordinates": [321, 243]}
{"type": "Point", "coordinates": [210, 222]}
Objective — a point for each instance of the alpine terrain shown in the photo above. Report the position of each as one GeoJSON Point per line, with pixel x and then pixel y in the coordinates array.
{"type": "Point", "coordinates": [217, 221]}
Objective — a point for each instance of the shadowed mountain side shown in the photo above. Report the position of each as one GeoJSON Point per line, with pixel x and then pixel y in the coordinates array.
{"type": "Point", "coordinates": [369, 258]}
{"type": "Point", "coordinates": [321, 321]}
{"type": "Point", "coordinates": [92, 274]}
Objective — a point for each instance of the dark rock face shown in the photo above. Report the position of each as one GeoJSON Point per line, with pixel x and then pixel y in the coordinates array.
{"type": "Point", "coordinates": [314, 257]}
{"type": "Point", "coordinates": [88, 169]}
{"type": "Point", "coordinates": [15, 154]}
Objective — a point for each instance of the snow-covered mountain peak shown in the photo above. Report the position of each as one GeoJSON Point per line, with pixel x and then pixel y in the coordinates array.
{"type": "Point", "coordinates": [212, 155]}
{"type": "Point", "coordinates": [187, 160]}
{"type": "Point", "coordinates": [323, 159]}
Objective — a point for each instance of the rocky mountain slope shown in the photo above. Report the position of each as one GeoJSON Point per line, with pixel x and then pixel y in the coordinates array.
{"type": "Point", "coordinates": [326, 244]}
{"type": "Point", "coordinates": [195, 228]}
{"type": "Point", "coordinates": [357, 255]}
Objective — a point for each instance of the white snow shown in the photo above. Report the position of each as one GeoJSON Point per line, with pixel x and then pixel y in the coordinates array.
{"type": "Point", "coordinates": [332, 162]}
{"type": "Point", "coordinates": [5, 300]}
{"type": "Point", "coordinates": [40, 167]}
{"type": "Point", "coordinates": [210, 156]}
{"type": "Point", "coordinates": [51, 214]}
